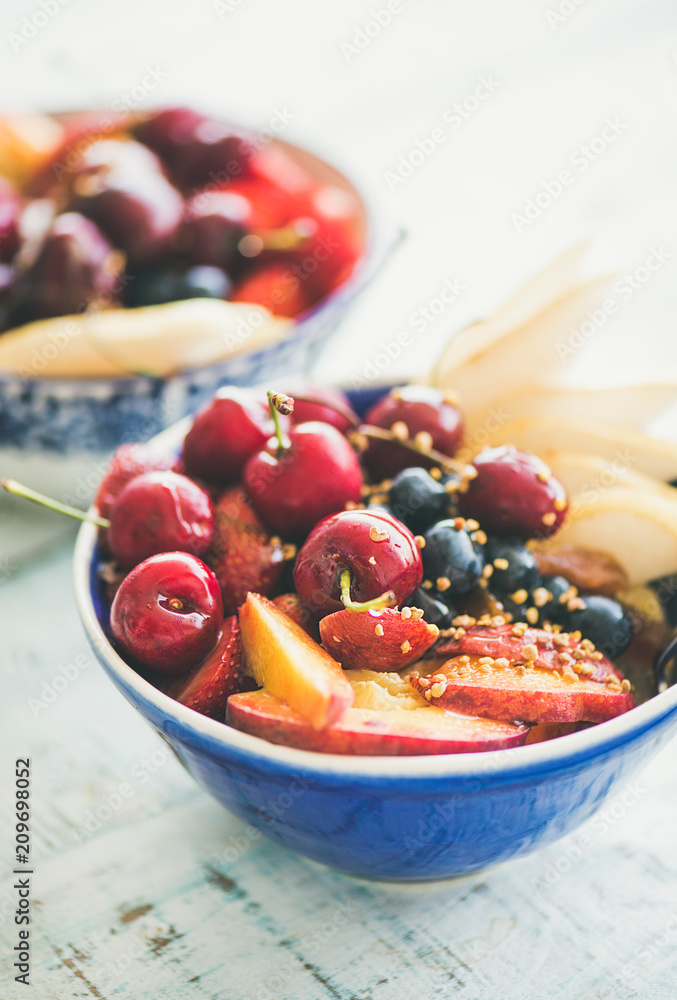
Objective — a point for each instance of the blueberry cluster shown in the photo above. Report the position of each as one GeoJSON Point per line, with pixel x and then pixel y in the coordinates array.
{"type": "Point", "coordinates": [458, 558]}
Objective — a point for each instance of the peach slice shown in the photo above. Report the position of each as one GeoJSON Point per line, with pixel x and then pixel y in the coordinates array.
{"type": "Point", "coordinates": [377, 640]}
{"type": "Point", "coordinates": [285, 661]}
{"type": "Point", "coordinates": [548, 650]}
{"type": "Point", "coordinates": [479, 685]}
{"type": "Point", "coordinates": [425, 730]}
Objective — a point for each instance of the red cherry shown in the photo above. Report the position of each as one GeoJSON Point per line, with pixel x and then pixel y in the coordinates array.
{"type": "Point", "coordinates": [276, 287]}
{"type": "Point", "coordinates": [379, 551]}
{"type": "Point", "coordinates": [293, 488]}
{"type": "Point", "coordinates": [160, 512]}
{"type": "Point", "coordinates": [195, 149]}
{"type": "Point", "coordinates": [121, 187]}
{"type": "Point", "coordinates": [331, 406]}
{"type": "Point", "coordinates": [214, 223]}
{"type": "Point", "coordinates": [225, 434]}
{"type": "Point", "coordinates": [417, 410]}
{"type": "Point", "coordinates": [167, 612]}
{"type": "Point", "coordinates": [128, 461]}
{"type": "Point", "coordinates": [514, 493]}
{"type": "Point", "coordinates": [337, 242]}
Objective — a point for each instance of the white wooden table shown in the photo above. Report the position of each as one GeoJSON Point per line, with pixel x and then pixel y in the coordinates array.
{"type": "Point", "coordinates": [168, 896]}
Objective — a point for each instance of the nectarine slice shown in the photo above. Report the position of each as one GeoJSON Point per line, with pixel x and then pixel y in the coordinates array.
{"type": "Point", "coordinates": [480, 685]}
{"type": "Point", "coordinates": [285, 661]}
{"type": "Point", "coordinates": [363, 731]}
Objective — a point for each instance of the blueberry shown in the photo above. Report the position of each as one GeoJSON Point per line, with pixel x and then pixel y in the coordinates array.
{"type": "Point", "coordinates": [553, 610]}
{"type": "Point", "coordinates": [604, 622]}
{"type": "Point", "coordinates": [384, 507]}
{"type": "Point", "coordinates": [434, 612]}
{"type": "Point", "coordinates": [521, 573]}
{"type": "Point", "coordinates": [417, 499]}
{"type": "Point", "coordinates": [451, 553]}
{"type": "Point", "coordinates": [160, 285]}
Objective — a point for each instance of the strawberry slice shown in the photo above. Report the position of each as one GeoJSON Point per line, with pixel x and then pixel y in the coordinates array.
{"type": "Point", "coordinates": [243, 555]}
{"type": "Point", "coordinates": [377, 640]}
{"type": "Point", "coordinates": [519, 644]}
{"type": "Point", "coordinates": [128, 461]}
{"type": "Point", "coordinates": [208, 689]}
{"type": "Point", "coordinates": [499, 689]}
{"type": "Point", "coordinates": [371, 732]}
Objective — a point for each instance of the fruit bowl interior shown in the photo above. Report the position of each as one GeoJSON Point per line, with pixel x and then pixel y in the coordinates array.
{"type": "Point", "coordinates": [396, 818]}
{"type": "Point", "coordinates": [57, 425]}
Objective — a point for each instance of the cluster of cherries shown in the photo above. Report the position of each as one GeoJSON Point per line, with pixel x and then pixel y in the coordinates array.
{"type": "Point", "coordinates": [178, 206]}
{"type": "Point", "coordinates": [299, 501]}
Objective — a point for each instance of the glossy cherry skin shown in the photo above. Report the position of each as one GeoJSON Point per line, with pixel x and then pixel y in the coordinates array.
{"type": "Point", "coordinates": [160, 512]}
{"type": "Point", "coordinates": [128, 461]}
{"type": "Point", "coordinates": [167, 612]}
{"type": "Point", "coordinates": [421, 409]}
{"type": "Point", "coordinates": [317, 475]}
{"type": "Point", "coordinates": [514, 493]}
{"type": "Point", "coordinates": [225, 434]}
{"type": "Point", "coordinates": [380, 552]}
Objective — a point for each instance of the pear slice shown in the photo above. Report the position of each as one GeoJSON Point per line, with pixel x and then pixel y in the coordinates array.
{"type": "Point", "coordinates": [290, 666]}
{"type": "Point", "coordinates": [529, 301]}
{"type": "Point", "coordinates": [640, 452]}
{"type": "Point", "coordinates": [633, 406]}
{"type": "Point", "coordinates": [151, 340]}
{"type": "Point", "coordinates": [587, 475]}
{"type": "Point", "coordinates": [638, 528]}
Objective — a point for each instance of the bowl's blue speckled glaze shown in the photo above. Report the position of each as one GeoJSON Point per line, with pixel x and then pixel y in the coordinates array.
{"type": "Point", "coordinates": [400, 818]}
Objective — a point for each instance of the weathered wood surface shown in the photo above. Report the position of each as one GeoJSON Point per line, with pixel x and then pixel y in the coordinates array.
{"type": "Point", "coordinates": [171, 897]}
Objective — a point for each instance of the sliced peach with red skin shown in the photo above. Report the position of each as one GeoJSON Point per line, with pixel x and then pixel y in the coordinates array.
{"type": "Point", "coordinates": [529, 693]}
{"type": "Point", "coordinates": [377, 640]}
{"type": "Point", "coordinates": [519, 644]}
{"type": "Point", "coordinates": [207, 689]}
{"type": "Point", "coordinates": [364, 731]}
{"type": "Point", "coordinates": [284, 660]}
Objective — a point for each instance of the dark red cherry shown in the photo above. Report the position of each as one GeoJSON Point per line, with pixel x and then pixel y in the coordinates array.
{"type": "Point", "coordinates": [167, 612]}
{"type": "Point", "coordinates": [214, 223]}
{"type": "Point", "coordinates": [514, 493]}
{"type": "Point", "coordinates": [420, 414]}
{"type": "Point", "coordinates": [75, 268]}
{"type": "Point", "coordinates": [195, 149]}
{"type": "Point", "coordinates": [121, 187]}
{"type": "Point", "coordinates": [160, 512]}
{"type": "Point", "coordinates": [379, 551]}
{"type": "Point", "coordinates": [233, 426]}
{"type": "Point", "coordinates": [292, 488]}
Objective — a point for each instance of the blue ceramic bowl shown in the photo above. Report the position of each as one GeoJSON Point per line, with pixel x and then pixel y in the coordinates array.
{"type": "Point", "coordinates": [56, 433]}
{"type": "Point", "coordinates": [399, 818]}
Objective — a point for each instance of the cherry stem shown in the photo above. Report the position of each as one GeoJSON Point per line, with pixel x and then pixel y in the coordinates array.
{"type": "Point", "coordinates": [279, 403]}
{"type": "Point", "coordinates": [386, 600]}
{"type": "Point", "coordinates": [19, 490]}
{"type": "Point", "coordinates": [380, 434]}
